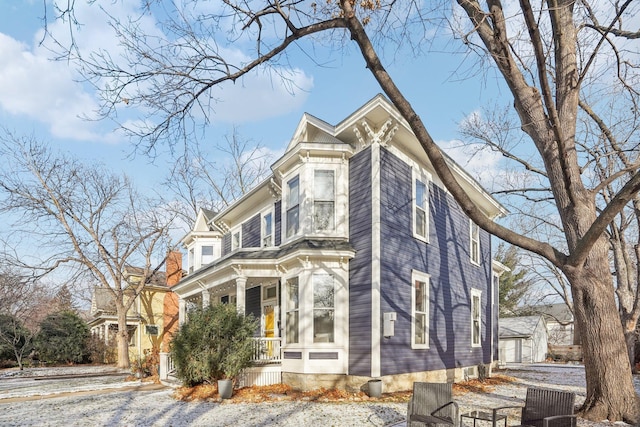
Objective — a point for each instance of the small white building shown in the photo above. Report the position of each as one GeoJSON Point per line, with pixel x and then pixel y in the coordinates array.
{"type": "Point", "coordinates": [522, 339]}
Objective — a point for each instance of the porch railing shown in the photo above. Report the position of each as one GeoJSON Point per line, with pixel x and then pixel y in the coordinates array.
{"type": "Point", "coordinates": [266, 350]}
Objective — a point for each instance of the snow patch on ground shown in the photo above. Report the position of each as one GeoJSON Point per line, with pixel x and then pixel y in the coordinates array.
{"type": "Point", "coordinates": [124, 407]}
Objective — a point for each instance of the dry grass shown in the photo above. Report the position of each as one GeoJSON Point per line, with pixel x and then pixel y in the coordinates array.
{"type": "Point", "coordinates": [282, 392]}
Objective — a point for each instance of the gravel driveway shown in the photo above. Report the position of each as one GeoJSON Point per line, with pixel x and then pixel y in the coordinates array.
{"type": "Point", "coordinates": [109, 401]}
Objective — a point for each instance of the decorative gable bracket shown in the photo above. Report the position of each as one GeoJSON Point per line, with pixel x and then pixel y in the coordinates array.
{"type": "Point", "coordinates": [381, 136]}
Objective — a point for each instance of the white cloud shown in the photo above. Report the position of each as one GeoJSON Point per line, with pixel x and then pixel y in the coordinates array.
{"type": "Point", "coordinates": [34, 87]}
{"type": "Point", "coordinates": [43, 90]}
{"type": "Point", "coordinates": [260, 96]}
{"type": "Point", "coordinates": [478, 161]}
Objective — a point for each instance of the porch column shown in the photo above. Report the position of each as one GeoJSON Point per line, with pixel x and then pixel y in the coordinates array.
{"type": "Point", "coordinates": [182, 311]}
{"type": "Point", "coordinates": [206, 298]}
{"type": "Point", "coordinates": [241, 286]}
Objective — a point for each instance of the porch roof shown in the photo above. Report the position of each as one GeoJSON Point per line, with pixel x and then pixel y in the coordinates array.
{"type": "Point", "coordinates": [275, 256]}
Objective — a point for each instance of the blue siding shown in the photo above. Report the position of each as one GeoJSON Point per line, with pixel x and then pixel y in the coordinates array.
{"type": "Point", "coordinates": [446, 259]}
{"type": "Point", "coordinates": [251, 232]}
{"type": "Point", "coordinates": [226, 244]}
{"type": "Point", "coordinates": [360, 265]}
{"type": "Point", "coordinates": [277, 222]}
{"type": "Point", "coordinates": [252, 303]}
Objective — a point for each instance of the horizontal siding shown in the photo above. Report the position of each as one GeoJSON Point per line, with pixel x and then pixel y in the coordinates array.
{"type": "Point", "coordinates": [360, 265]}
{"type": "Point", "coordinates": [446, 259]}
{"type": "Point", "coordinates": [278, 222]}
{"type": "Point", "coordinates": [226, 244]}
{"type": "Point", "coordinates": [251, 232]}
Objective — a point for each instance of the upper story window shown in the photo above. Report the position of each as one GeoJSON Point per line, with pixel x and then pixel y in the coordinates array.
{"type": "Point", "coordinates": [324, 195]}
{"type": "Point", "coordinates": [476, 331]}
{"type": "Point", "coordinates": [207, 255]}
{"type": "Point", "coordinates": [420, 207]}
{"type": "Point", "coordinates": [236, 240]}
{"type": "Point", "coordinates": [474, 249]}
{"type": "Point", "coordinates": [293, 207]}
{"type": "Point", "coordinates": [292, 307]}
{"type": "Point", "coordinates": [191, 260]}
{"type": "Point", "coordinates": [267, 230]}
{"type": "Point", "coordinates": [420, 310]}
{"type": "Point", "coordinates": [323, 308]}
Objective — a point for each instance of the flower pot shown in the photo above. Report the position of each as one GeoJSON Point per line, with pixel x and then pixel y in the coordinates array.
{"type": "Point", "coordinates": [225, 389]}
{"type": "Point", "coordinates": [374, 388]}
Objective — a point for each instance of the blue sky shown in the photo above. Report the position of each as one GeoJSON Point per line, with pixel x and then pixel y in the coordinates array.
{"type": "Point", "coordinates": [39, 96]}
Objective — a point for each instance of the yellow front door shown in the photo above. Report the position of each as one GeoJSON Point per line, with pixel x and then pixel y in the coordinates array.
{"type": "Point", "coordinates": [269, 326]}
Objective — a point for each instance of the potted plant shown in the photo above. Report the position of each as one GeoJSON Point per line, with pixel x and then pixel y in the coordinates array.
{"type": "Point", "coordinates": [235, 349]}
{"type": "Point", "coordinates": [214, 344]}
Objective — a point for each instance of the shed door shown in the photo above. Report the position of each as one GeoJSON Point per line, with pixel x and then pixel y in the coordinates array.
{"type": "Point", "coordinates": [511, 350]}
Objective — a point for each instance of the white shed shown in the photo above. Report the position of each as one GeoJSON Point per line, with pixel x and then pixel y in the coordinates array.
{"type": "Point", "coordinates": [522, 339]}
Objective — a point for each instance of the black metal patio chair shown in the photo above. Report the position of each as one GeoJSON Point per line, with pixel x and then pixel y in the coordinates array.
{"type": "Point", "coordinates": [546, 408]}
{"type": "Point", "coordinates": [432, 404]}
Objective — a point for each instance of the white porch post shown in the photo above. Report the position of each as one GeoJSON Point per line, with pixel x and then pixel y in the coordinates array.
{"type": "Point", "coordinates": [241, 286]}
{"type": "Point", "coordinates": [182, 311]}
{"type": "Point", "coordinates": [206, 298]}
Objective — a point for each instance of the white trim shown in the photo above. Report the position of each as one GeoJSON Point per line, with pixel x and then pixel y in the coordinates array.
{"type": "Point", "coordinates": [375, 261]}
{"type": "Point", "coordinates": [474, 235]}
{"type": "Point", "coordinates": [324, 168]}
{"type": "Point", "coordinates": [270, 211]}
{"type": "Point", "coordinates": [424, 278]}
{"type": "Point", "coordinates": [236, 230]}
{"type": "Point", "coordinates": [419, 175]}
{"type": "Point", "coordinates": [285, 207]}
{"type": "Point", "coordinates": [476, 293]}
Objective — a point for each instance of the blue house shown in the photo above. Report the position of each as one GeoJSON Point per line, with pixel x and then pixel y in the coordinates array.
{"type": "Point", "coordinates": [355, 258]}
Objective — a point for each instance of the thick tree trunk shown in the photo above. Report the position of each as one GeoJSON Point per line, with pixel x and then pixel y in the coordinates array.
{"type": "Point", "coordinates": [122, 340]}
{"type": "Point", "coordinates": [631, 337]}
{"type": "Point", "coordinates": [610, 391]}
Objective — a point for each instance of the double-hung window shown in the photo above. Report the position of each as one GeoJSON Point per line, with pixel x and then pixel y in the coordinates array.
{"type": "Point", "coordinates": [292, 311]}
{"type": "Point", "coordinates": [206, 255]}
{"type": "Point", "coordinates": [474, 248]}
{"type": "Point", "coordinates": [293, 207]}
{"type": "Point", "coordinates": [420, 206]}
{"type": "Point", "coordinates": [324, 200]}
{"type": "Point", "coordinates": [476, 325]}
{"type": "Point", "coordinates": [323, 308]}
{"type": "Point", "coordinates": [236, 240]}
{"type": "Point", "coordinates": [267, 230]}
{"type": "Point", "coordinates": [420, 310]}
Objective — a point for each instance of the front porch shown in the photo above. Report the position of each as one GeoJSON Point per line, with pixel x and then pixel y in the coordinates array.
{"type": "Point", "coordinates": [266, 360]}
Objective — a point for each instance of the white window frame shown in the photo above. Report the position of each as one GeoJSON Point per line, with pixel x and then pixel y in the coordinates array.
{"type": "Point", "coordinates": [202, 255]}
{"type": "Point", "coordinates": [191, 262]}
{"type": "Point", "coordinates": [331, 339]}
{"type": "Point", "coordinates": [418, 276]}
{"type": "Point", "coordinates": [238, 232]}
{"type": "Point", "coordinates": [263, 235]}
{"type": "Point", "coordinates": [332, 226]}
{"type": "Point", "coordinates": [417, 175]}
{"type": "Point", "coordinates": [474, 243]}
{"type": "Point", "coordinates": [289, 309]}
{"type": "Point", "coordinates": [288, 208]}
{"type": "Point", "coordinates": [476, 293]}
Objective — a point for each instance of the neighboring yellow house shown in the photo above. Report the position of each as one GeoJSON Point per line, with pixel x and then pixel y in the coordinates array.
{"type": "Point", "coordinates": [145, 319]}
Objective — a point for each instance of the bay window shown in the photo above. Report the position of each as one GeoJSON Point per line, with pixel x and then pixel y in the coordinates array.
{"type": "Point", "coordinates": [324, 200]}
{"type": "Point", "coordinates": [323, 308]}
{"type": "Point", "coordinates": [293, 207]}
{"type": "Point", "coordinates": [292, 307]}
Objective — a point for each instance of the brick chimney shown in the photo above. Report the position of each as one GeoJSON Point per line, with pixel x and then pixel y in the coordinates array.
{"type": "Point", "coordinates": [174, 268]}
{"type": "Point", "coordinates": [170, 307]}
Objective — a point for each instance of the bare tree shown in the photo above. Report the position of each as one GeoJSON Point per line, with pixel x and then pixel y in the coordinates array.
{"type": "Point", "coordinates": [197, 181]}
{"type": "Point", "coordinates": [547, 55]}
{"type": "Point", "coordinates": [606, 148]}
{"type": "Point", "coordinates": [24, 302]}
{"type": "Point", "coordinates": [85, 222]}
